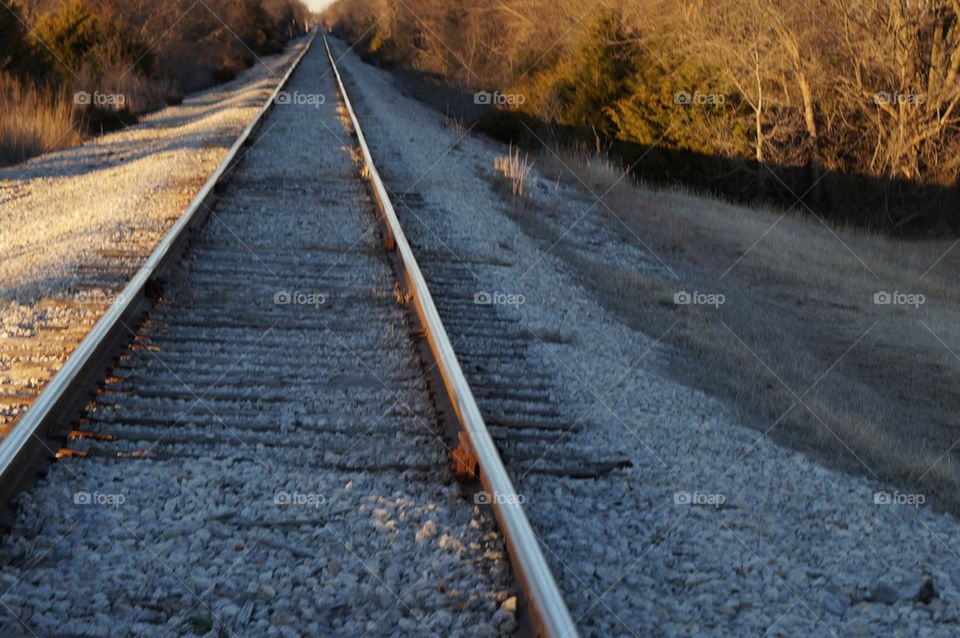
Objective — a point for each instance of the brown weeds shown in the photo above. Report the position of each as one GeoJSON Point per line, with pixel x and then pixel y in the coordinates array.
{"type": "Point", "coordinates": [33, 120]}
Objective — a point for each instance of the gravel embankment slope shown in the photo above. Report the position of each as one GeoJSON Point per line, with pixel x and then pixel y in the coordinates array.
{"type": "Point", "coordinates": [777, 545]}
{"type": "Point", "coordinates": [76, 224]}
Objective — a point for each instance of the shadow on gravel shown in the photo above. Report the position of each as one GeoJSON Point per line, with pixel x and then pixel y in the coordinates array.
{"type": "Point", "coordinates": [798, 348]}
{"type": "Point", "coordinates": [892, 206]}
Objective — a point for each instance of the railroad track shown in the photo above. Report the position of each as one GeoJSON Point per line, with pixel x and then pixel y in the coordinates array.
{"type": "Point", "coordinates": [249, 438]}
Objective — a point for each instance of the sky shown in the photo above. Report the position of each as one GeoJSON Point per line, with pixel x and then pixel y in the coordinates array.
{"type": "Point", "coordinates": [317, 5]}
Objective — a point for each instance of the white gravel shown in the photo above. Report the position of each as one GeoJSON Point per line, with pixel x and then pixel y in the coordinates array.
{"type": "Point", "coordinates": [776, 545]}
{"type": "Point", "coordinates": [76, 224]}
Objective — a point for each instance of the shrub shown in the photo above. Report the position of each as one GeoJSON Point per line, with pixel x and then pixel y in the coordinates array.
{"type": "Point", "coordinates": [14, 48]}
{"type": "Point", "coordinates": [601, 76]}
{"type": "Point", "coordinates": [78, 39]}
{"type": "Point", "coordinates": [68, 33]}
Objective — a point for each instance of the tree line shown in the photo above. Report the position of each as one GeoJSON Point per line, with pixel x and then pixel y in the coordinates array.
{"type": "Point", "coordinates": [75, 67]}
{"type": "Point", "coordinates": [850, 104]}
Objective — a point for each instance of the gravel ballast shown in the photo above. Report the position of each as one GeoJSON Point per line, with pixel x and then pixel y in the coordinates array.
{"type": "Point", "coordinates": [714, 530]}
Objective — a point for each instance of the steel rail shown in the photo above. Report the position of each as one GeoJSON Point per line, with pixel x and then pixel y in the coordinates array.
{"type": "Point", "coordinates": [548, 610]}
{"type": "Point", "coordinates": [33, 435]}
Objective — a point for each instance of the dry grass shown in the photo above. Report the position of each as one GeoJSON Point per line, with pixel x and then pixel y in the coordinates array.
{"type": "Point", "coordinates": [33, 121]}
{"type": "Point", "coordinates": [457, 124]}
{"type": "Point", "coordinates": [516, 169]}
{"type": "Point", "coordinates": [599, 174]}
{"type": "Point", "coordinates": [139, 94]}
{"type": "Point", "coordinates": [799, 349]}
{"type": "Point", "coordinates": [36, 120]}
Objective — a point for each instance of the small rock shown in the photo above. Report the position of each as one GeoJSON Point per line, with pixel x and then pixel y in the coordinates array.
{"type": "Point", "coordinates": [903, 590]}
{"type": "Point", "coordinates": [246, 612]}
{"type": "Point", "coordinates": [268, 590]}
{"type": "Point", "coordinates": [797, 576]}
{"type": "Point", "coordinates": [391, 576]}
{"type": "Point", "coordinates": [859, 628]}
{"type": "Point", "coordinates": [100, 601]}
{"type": "Point", "coordinates": [730, 608]}
{"type": "Point", "coordinates": [504, 621]}
{"type": "Point", "coordinates": [926, 593]}
{"type": "Point", "coordinates": [428, 530]}
{"type": "Point", "coordinates": [695, 579]}
{"type": "Point", "coordinates": [483, 630]}
{"type": "Point", "coordinates": [832, 603]}
{"type": "Point", "coordinates": [227, 609]}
